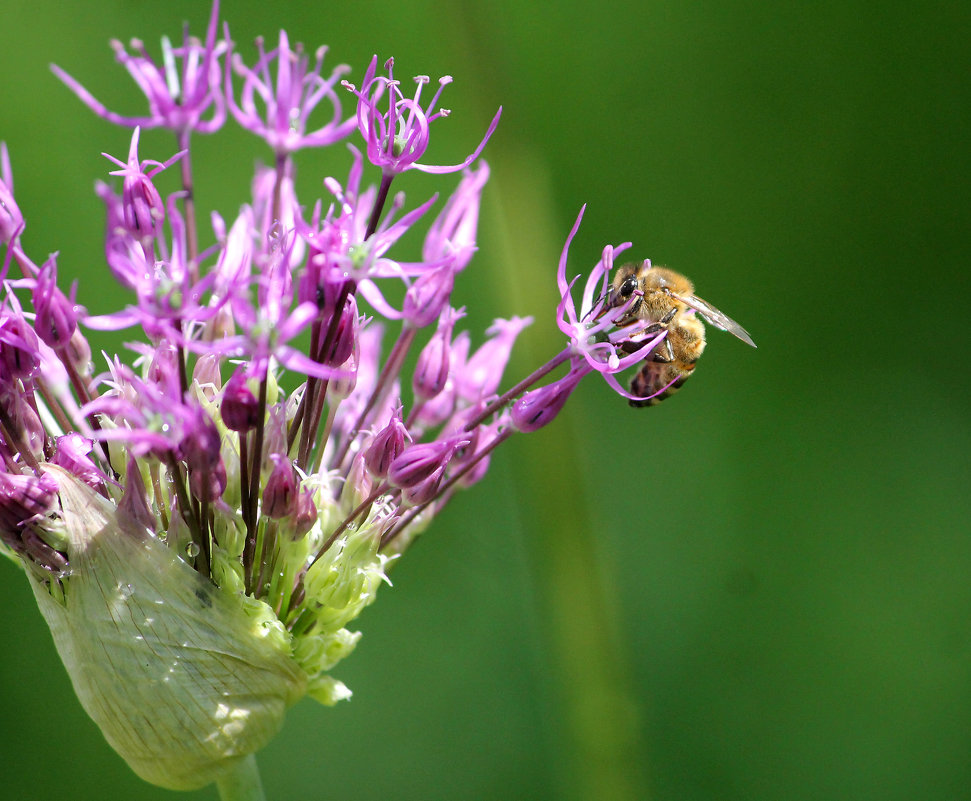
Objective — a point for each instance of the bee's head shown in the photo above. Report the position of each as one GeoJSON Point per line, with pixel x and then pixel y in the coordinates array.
{"type": "Point", "coordinates": [624, 286]}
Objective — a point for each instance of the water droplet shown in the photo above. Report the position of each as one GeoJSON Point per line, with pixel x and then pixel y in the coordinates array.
{"type": "Point", "coordinates": [192, 550]}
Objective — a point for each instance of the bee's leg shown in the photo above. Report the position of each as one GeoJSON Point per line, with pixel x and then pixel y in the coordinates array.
{"type": "Point", "coordinates": [654, 328]}
{"type": "Point", "coordinates": [663, 352]}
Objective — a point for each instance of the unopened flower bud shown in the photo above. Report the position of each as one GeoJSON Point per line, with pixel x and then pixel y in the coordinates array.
{"type": "Point", "coordinates": [432, 369]}
{"type": "Point", "coordinates": [142, 208]}
{"type": "Point", "coordinates": [341, 346]}
{"type": "Point", "coordinates": [426, 298]}
{"type": "Point", "coordinates": [386, 446]}
{"type": "Point", "coordinates": [134, 506]}
{"type": "Point", "coordinates": [19, 347]}
{"type": "Point", "coordinates": [56, 319]}
{"type": "Point", "coordinates": [200, 450]}
{"type": "Point", "coordinates": [207, 375]}
{"type": "Point", "coordinates": [540, 406]}
{"type": "Point", "coordinates": [280, 491]}
{"type": "Point", "coordinates": [24, 498]}
{"type": "Point", "coordinates": [357, 485]}
{"type": "Point", "coordinates": [343, 384]}
{"type": "Point", "coordinates": [239, 407]}
{"type": "Point", "coordinates": [305, 515]}
{"type": "Point", "coordinates": [420, 469]}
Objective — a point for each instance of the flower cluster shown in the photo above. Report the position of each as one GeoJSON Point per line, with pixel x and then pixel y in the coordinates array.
{"type": "Point", "coordinates": [198, 536]}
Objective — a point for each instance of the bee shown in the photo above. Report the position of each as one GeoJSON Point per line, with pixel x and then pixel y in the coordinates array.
{"type": "Point", "coordinates": [668, 302]}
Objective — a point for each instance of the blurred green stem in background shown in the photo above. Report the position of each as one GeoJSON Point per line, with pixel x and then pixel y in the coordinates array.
{"type": "Point", "coordinates": [592, 691]}
{"type": "Point", "coordinates": [602, 755]}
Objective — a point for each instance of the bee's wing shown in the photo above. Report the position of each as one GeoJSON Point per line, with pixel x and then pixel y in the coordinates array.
{"type": "Point", "coordinates": [718, 319]}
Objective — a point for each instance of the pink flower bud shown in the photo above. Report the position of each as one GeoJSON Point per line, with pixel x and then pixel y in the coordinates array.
{"type": "Point", "coordinates": [426, 298]}
{"type": "Point", "coordinates": [432, 369]}
{"type": "Point", "coordinates": [281, 488]}
{"type": "Point", "coordinates": [56, 319]}
{"type": "Point", "coordinates": [540, 406]}
{"type": "Point", "coordinates": [420, 469]}
{"type": "Point", "coordinates": [22, 499]}
{"type": "Point", "coordinates": [239, 407]}
{"type": "Point", "coordinates": [386, 446]}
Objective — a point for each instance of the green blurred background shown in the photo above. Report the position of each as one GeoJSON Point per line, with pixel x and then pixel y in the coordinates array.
{"type": "Point", "coordinates": [760, 589]}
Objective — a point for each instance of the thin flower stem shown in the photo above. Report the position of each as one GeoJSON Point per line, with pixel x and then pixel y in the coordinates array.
{"type": "Point", "coordinates": [362, 507]}
{"type": "Point", "coordinates": [250, 517]}
{"type": "Point", "coordinates": [56, 409]}
{"type": "Point", "coordinates": [413, 414]}
{"type": "Point", "coordinates": [522, 386]}
{"type": "Point", "coordinates": [310, 425]}
{"type": "Point", "coordinates": [189, 206]}
{"type": "Point", "coordinates": [379, 202]}
{"type": "Point", "coordinates": [249, 543]}
{"type": "Point", "coordinates": [257, 455]}
{"type": "Point", "coordinates": [306, 402]}
{"type": "Point", "coordinates": [267, 548]}
{"type": "Point", "coordinates": [325, 436]}
{"type": "Point", "coordinates": [181, 354]}
{"type": "Point", "coordinates": [185, 505]}
{"type": "Point", "coordinates": [242, 783]}
{"type": "Point", "coordinates": [281, 167]}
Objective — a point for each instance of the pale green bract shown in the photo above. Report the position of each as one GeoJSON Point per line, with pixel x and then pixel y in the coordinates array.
{"type": "Point", "coordinates": [184, 678]}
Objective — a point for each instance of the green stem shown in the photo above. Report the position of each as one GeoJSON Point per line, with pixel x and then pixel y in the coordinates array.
{"type": "Point", "coordinates": [242, 783]}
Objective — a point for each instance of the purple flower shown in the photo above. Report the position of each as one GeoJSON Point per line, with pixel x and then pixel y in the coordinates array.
{"type": "Point", "coordinates": [590, 329]}
{"type": "Point", "coordinates": [178, 98]}
{"type": "Point", "coordinates": [398, 138]}
{"type": "Point", "coordinates": [19, 346]}
{"type": "Point", "coordinates": [239, 408]}
{"type": "Point", "coordinates": [289, 100]}
{"type": "Point", "coordinates": [420, 468]}
{"type": "Point", "coordinates": [280, 492]}
{"type": "Point", "coordinates": [23, 500]}
{"type": "Point", "coordinates": [478, 376]}
{"type": "Point", "coordinates": [434, 362]}
{"type": "Point", "coordinates": [57, 315]}
{"type": "Point", "coordinates": [386, 446]}
{"type": "Point", "coordinates": [452, 234]}
{"type": "Point", "coordinates": [72, 452]}
{"type": "Point", "coordinates": [141, 204]}
{"type": "Point", "coordinates": [428, 296]}
{"type": "Point", "coordinates": [11, 220]}
{"type": "Point", "coordinates": [200, 450]}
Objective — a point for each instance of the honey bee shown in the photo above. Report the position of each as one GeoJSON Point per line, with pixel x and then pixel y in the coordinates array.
{"type": "Point", "coordinates": [668, 302]}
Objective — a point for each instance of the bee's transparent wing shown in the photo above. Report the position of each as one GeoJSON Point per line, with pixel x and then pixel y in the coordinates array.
{"type": "Point", "coordinates": [718, 319]}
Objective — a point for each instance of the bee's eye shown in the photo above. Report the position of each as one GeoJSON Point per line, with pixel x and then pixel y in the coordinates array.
{"type": "Point", "coordinates": [627, 288]}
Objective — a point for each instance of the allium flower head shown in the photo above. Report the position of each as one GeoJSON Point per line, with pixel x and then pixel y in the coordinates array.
{"type": "Point", "coordinates": [202, 519]}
